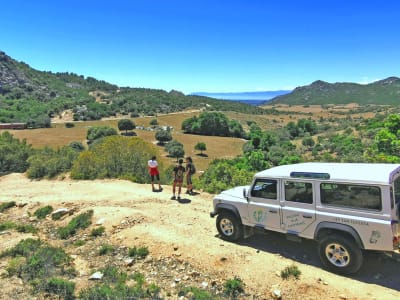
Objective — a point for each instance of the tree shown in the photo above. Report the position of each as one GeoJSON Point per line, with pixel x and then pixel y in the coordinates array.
{"type": "Point", "coordinates": [126, 124]}
{"type": "Point", "coordinates": [153, 122]}
{"type": "Point", "coordinates": [200, 146]}
{"type": "Point", "coordinates": [97, 132]}
{"type": "Point", "coordinates": [163, 136]}
{"type": "Point", "coordinates": [175, 149]}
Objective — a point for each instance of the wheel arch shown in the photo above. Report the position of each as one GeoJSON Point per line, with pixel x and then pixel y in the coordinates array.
{"type": "Point", "coordinates": [221, 207]}
{"type": "Point", "coordinates": [326, 228]}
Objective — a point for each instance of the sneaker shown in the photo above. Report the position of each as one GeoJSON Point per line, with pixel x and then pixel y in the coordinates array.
{"type": "Point", "coordinates": [179, 197]}
{"type": "Point", "coordinates": [188, 192]}
{"type": "Point", "coordinates": [173, 198]}
{"type": "Point", "coordinates": [160, 189]}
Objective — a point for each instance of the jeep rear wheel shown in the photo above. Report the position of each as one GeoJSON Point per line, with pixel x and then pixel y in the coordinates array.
{"type": "Point", "coordinates": [229, 227]}
{"type": "Point", "coordinates": [340, 254]}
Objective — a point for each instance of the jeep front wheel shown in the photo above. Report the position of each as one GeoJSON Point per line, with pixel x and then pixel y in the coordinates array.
{"type": "Point", "coordinates": [340, 254]}
{"type": "Point", "coordinates": [229, 227]}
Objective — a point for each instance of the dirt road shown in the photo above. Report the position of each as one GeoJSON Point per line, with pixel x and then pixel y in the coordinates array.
{"type": "Point", "coordinates": [185, 229]}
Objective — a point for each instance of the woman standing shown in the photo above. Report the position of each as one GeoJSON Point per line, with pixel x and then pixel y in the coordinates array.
{"type": "Point", "coordinates": [153, 171]}
{"type": "Point", "coordinates": [190, 170]}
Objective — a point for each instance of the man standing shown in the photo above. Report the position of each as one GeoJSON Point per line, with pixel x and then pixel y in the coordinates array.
{"type": "Point", "coordinates": [190, 170]}
{"type": "Point", "coordinates": [179, 172]}
{"type": "Point", "coordinates": [153, 171]}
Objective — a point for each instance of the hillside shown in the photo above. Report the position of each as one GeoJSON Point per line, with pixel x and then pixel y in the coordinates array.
{"type": "Point", "coordinates": [33, 97]}
{"type": "Point", "coordinates": [383, 92]}
{"type": "Point", "coordinates": [185, 250]}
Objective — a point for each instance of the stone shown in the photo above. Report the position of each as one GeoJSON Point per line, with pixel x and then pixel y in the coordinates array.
{"type": "Point", "coordinates": [96, 276]}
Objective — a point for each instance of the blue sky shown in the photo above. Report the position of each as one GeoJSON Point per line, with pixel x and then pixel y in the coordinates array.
{"type": "Point", "coordinates": [206, 45]}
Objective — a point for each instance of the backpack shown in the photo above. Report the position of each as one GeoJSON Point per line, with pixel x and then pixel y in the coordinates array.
{"type": "Point", "coordinates": [192, 169]}
{"type": "Point", "coordinates": [179, 173]}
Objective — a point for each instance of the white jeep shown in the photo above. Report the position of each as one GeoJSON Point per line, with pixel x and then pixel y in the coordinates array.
{"type": "Point", "coordinates": [346, 207]}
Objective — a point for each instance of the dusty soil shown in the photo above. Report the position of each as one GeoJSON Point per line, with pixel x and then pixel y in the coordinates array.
{"type": "Point", "coordinates": [183, 234]}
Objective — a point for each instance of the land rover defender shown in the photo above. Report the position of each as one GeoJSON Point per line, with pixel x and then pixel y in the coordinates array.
{"type": "Point", "coordinates": [347, 208]}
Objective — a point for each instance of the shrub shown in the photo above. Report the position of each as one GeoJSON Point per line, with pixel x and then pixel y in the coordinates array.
{"type": "Point", "coordinates": [7, 225]}
{"type": "Point", "coordinates": [291, 271]}
{"type": "Point", "coordinates": [23, 248]}
{"type": "Point", "coordinates": [234, 287]}
{"type": "Point", "coordinates": [27, 228]}
{"type": "Point", "coordinates": [69, 125]}
{"type": "Point", "coordinates": [15, 266]}
{"type": "Point", "coordinates": [81, 221]}
{"type": "Point", "coordinates": [79, 243]}
{"type": "Point", "coordinates": [42, 212]}
{"type": "Point", "coordinates": [6, 205]}
{"type": "Point", "coordinates": [97, 231]}
{"type": "Point", "coordinates": [196, 293]}
{"type": "Point", "coordinates": [140, 252]}
{"type": "Point", "coordinates": [62, 288]}
{"type": "Point", "coordinates": [115, 157]}
{"type": "Point", "coordinates": [106, 249]}
{"type": "Point", "coordinates": [13, 154]}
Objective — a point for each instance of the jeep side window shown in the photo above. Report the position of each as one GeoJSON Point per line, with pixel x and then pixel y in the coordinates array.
{"type": "Point", "coordinates": [264, 188]}
{"type": "Point", "coordinates": [353, 196]}
{"type": "Point", "coordinates": [301, 192]}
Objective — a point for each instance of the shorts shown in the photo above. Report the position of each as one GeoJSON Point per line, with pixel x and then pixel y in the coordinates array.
{"type": "Point", "coordinates": [189, 179]}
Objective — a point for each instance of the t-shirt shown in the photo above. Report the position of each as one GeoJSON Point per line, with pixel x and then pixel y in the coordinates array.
{"type": "Point", "coordinates": [152, 163]}
{"type": "Point", "coordinates": [179, 172]}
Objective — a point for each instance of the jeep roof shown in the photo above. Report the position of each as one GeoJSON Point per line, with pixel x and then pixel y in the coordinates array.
{"type": "Point", "coordinates": [356, 172]}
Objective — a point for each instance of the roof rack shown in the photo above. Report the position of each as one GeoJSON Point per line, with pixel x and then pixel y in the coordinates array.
{"type": "Point", "coordinates": [310, 175]}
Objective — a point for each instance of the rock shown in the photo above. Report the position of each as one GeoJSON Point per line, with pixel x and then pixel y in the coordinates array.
{"type": "Point", "coordinates": [204, 284]}
{"type": "Point", "coordinates": [129, 262]}
{"type": "Point", "coordinates": [276, 294]}
{"type": "Point", "coordinates": [100, 221]}
{"type": "Point", "coordinates": [96, 276]}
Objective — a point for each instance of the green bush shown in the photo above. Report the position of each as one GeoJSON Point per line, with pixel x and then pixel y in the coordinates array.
{"type": "Point", "coordinates": [140, 252]}
{"type": "Point", "coordinates": [27, 228]}
{"type": "Point", "coordinates": [115, 157]}
{"type": "Point", "coordinates": [13, 154]}
{"type": "Point", "coordinates": [81, 221]}
{"type": "Point", "coordinates": [6, 205]}
{"type": "Point", "coordinates": [106, 249]}
{"type": "Point", "coordinates": [63, 288]}
{"type": "Point", "coordinates": [196, 293]}
{"type": "Point", "coordinates": [291, 271]}
{"type": "Point", "coordinates": [42, 212]}
{"type": "Point", "coordinates": [97, 231]}
{"type": "Point", "coordinates": [7, 225]}
{"type": "Point", "coordinates": [234, 287]}
{"type": "Point", "coordinates": [23, 248]}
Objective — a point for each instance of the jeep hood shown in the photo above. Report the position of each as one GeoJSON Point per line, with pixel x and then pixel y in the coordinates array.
{"type": "Point", "coordinates": [236, 192]}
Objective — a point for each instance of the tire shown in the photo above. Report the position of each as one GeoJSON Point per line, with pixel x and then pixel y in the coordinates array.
{"type": "Point", "coordinates": [340, 254]}
{"type": "Point", "coordinates": [229, 227]}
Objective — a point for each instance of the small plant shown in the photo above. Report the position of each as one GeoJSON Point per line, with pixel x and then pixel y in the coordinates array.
{"type": "Point", "coordinates": [15, 265]}
{"type": "Point", "coordinates": [7, 225]}
{"type": "Point", "coordinates": [106, 249]}
{"type": "Point", "coordinates": [23, 248]}
{"type": "Point", "coordinates": [140, 252]}
{"type": "Point", "coordinates": [28, 228]}
{"type": "Point", "coordinates": [234, 287]}
{"type": "Point", "coordinates": [42, 212]}
{"type": "Point", "coordinates": [97, 231]}
{"type": "Point", "coordinates": [81, 221]}
{"type": "Point", "coordinates": [79, 243]}
{"type": "Point", "coordinates": [6, 205]}
{"type": "Point", "coordinates": [57, 216]}
{"type": "Point", "coordinates": [196, 293]}
{"type": "Point", "coordinates": [63, 288]}
{"type": "Point", "coordinates": [113, 275]}
{"type": "Point", "coordinates": [291, 271]}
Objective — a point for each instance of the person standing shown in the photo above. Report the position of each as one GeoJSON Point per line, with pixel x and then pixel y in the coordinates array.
{"type": "Point", "coordinates": [154, 173]}
{"type": "Point", "coordinates": [190, 170]}
{"type": "Point", "coordinates": [179, 173]}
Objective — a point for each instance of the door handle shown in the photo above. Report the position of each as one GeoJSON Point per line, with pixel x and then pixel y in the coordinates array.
{"type": "Point", "coordinates": [273, 211]}
{"type": "Point", "coordinates": [307, 217]}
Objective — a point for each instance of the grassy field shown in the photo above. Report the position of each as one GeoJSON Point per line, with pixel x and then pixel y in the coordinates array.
{"type": "Point", "coordinates": [217, 147]}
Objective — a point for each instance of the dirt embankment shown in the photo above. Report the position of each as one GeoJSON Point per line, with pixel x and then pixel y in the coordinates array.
{"type": "Point", "coordinates": [183, 239]}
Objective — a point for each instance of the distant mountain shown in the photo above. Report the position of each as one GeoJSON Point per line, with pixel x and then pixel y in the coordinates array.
{"type": "Point", "coordinates": [386, 91]}
{"type": "Point", "coordinates": [33, 97]}
{"type": "Point", "coordinates": [245, 96]}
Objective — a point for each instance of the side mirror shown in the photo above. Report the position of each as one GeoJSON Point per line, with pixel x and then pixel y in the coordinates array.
{"type": "Point", "coordinates": [245, 194]}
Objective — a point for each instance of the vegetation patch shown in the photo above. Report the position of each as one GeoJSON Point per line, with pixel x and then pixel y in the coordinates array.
{"type": "Point", "coordinates": [81, 221]}
{"type": "Point", "coordinates": [291, 271]}
{"type": "Point", "coordinates": [234, 287]}
{"type": "Point", "coordinates": [63, 288]}
{"type": "Point", "coordinates": [195, 293]}
{"type": "Point", "coordinates": [106, 249]}
{"type": "Point", "coordinates": [7, 225]}
{"type": "Point", "coordinates": [140, 252]}
{"type": "Point", "coordinates": [43, 212]}
{"type": "Point", "coordinates": [6, 205]}
{"type": "Point", "coordinates": [97, 231]}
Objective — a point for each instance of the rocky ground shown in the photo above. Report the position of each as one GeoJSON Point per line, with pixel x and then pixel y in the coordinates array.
{"type": "Point", "coordinates": [184, 248]}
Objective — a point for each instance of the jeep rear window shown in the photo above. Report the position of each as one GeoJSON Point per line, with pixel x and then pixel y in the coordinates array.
{"type": "Point", "coordinates": [353, 196]}
{"type": "Point", "coordinates": [264, 188]}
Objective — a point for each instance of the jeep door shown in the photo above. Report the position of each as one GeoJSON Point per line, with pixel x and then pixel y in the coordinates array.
{"type": "Point", "coordinates": [298, 205]}
{"type": "Point", "coordinates": [263, 205]}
